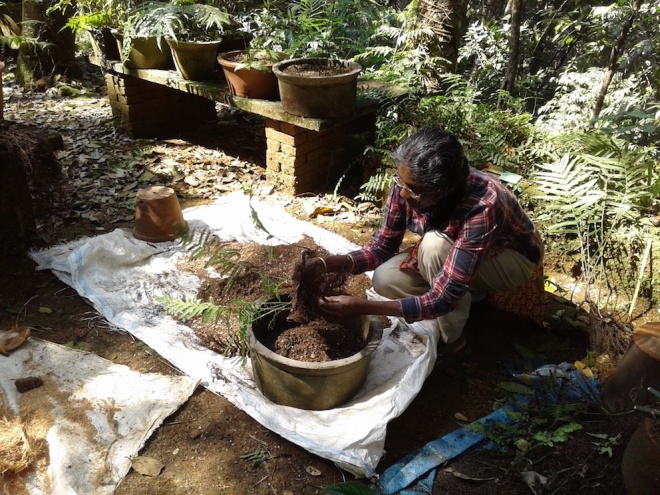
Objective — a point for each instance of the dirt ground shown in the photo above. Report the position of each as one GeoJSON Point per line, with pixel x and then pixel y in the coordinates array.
{"type": "Point", "coordinates": [205, 444]}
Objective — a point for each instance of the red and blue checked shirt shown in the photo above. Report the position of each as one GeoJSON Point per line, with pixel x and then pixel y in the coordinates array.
{"type": "Point", "coordinates": [487, 220]}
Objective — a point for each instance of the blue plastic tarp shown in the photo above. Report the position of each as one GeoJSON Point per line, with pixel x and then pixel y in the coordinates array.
{"type": "Point", "coordinates": [549, 384]}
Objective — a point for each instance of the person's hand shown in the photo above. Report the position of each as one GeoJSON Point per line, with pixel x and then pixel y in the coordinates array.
{"type": "Point", "coordinates": [335, 308]}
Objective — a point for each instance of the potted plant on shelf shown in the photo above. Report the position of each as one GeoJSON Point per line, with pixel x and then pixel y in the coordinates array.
{"type": "Point", "coordinates": [193, 32]}
{"type": "Point", "coordinates": [97, 18]}
{"type": "Point", "coordinates": [248, 71]}
{"type": "Point", "coordinates": [320, 79]}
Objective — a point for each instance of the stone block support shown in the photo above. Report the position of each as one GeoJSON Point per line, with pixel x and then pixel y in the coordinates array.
{"type": "Point", "coordinates": [304, 160]}
{"type": "Point", "coordinates": [143, 109]}
{"type": "Point", "coordinates": [303, 154]}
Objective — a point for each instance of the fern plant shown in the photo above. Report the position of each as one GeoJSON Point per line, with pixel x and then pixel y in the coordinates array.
{"type": "Point", "coordinates": [597, 188]}
{"type": "Point", "coordinates": [237, 315]}
{"type": "Point", "coordinates": [241, 311]}
{"type": "Point", "coordinates": [180, 20]}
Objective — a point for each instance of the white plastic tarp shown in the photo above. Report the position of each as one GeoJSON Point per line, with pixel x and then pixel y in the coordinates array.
{"type": "Point", "coordinates": [98, 422]}
{"type": "Point", "coordinates": [122, 276]}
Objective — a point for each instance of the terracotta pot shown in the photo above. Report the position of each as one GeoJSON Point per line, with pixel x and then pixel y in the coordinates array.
{"type": "Point", "coordinates": [246, 82]}
{"type": "Point", "coordinates": [641, 459]}
{"type": "Point", "coordinates": [195, 60]}
{"type": "Point", "coordinates": [318, 96]}
{"type": "Point", "coordinates": [158, 216]}
{"type": "Point", "coordinates": [310, 385]}
{"type": "Point", "coordinates": [638, 369]}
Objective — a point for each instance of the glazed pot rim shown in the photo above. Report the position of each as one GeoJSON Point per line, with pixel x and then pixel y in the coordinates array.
{"type": "Point", "coordinates": [279, 67]}
{"type": "Point", "coordinates": [374, 338]}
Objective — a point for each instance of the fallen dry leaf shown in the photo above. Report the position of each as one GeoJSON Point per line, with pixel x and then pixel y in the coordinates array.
{"type": "Point", "coordinates": [147, 466]}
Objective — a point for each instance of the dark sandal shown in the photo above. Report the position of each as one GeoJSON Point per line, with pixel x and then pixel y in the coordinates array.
{"type": "Point", "coordinates": [447, 359]}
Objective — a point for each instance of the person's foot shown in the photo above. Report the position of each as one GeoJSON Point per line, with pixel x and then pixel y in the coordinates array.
{"type": "Point", "coordinates": [450, 354]}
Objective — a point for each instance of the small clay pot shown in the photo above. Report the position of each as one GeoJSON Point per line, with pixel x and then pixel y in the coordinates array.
{"type": "Point", "coordinates": [638, 369]}
{"type": "Point", "coordinates": [641, 459]}
{"type": "Point", "coordinates": [158, 216]}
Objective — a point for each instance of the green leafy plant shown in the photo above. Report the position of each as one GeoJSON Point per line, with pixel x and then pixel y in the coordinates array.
{"type": "Point", "coordinates": [88, 14]}
{"type": "Point", "coordinates": [179, 20]}
{"type": "Point", "coordinates": [605, 442]}
{"type": "Point", "coordinates": [257, 457]}
{"type": "Point", "coordinates": [238, 314]}
{"type": "Point", "coordinates": [399, 51]}
{"type": "Point", "coordinates": [313, 28]}
{"type": "Point", "coordinates": [532, 430]}
{"type": "Point", "coordinates": [349, 488]}
{"type": "Point", "coordinates": [11, 37]}
{"type": "Point", "coordinates": [598, 188]}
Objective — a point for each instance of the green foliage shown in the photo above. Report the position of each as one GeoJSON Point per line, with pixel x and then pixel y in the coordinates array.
{"type": "Point", "coordinates": [203, 244]}
{"type": "Point", "coordinates": [505, 138]}
{"type": "Point", "coordinates": [598, 187]}
{"type": "Point", "coordinates": [93, 13]}
{"type": "Point", "coordinates": [339, 29]}
{"type": "Point", "coordinates": [483, 59]}
{"type": "Point", "coordinates": [244, 312]}
{"type": "Point", "coordinates": [10, 34]}
{"type": "Point", "coordinates": [399, 52]}
{"type": "Point", "coordinates": [605, 443]}
{"type": "Point", "coordinates": [257, 457]}
{"type": "Point", "coordinates": [180, 20]}
{"type": "Point", "coordinates": [349, 488]}
{"type": "Point", "coordinates": [532, 430]}
{"type": "Point", "coordinates": [310, 28]}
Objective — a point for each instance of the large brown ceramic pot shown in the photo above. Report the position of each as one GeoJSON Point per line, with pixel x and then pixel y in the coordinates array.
{"type": "Point", "coordinates": [317, 87]}
{"type": "Point", "coordinates": [641, 460]}
{"type": "Point", "coordinates": [310, 385]}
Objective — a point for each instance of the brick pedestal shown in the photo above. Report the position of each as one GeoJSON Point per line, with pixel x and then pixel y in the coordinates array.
{"type": "Point", "coordinates": [303, 160]}
{"type": "Point", "coordinates": [303, 154]}
{"type": "Point", "coordinates": [144, 109]}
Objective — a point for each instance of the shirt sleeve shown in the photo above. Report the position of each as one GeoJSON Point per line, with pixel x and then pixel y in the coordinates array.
{"type": "Point", "coordinates": [387, 241]}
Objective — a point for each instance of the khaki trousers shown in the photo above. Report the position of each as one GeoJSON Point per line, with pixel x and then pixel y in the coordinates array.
{"type": "Point", "coordinates": [507, 271]}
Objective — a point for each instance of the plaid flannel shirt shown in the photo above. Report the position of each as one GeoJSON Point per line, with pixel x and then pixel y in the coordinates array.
{"type": "Point", "coordinates": [487, 220]}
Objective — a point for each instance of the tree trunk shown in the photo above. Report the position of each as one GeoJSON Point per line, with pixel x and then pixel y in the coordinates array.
{"type": "Point", "coordinates": [38, 63]}
{"type": "Point", "coordinates": [613, 61]}
{"type": "Point", "coordinates": [514, 48]}
{"type": "Point", "coordinates": [448, 20]}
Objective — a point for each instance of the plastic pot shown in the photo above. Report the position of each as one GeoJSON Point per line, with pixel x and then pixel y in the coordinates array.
{"type": "Point", "coordinates": [195, 60]}
{"type": "Point", "coordinates": [310, 385]}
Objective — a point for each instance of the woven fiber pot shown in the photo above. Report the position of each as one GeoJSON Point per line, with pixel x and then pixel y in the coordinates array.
{"type": "Point", "coordinates": [307, 91]}
{"type": "Point", "coordinates": [158, 216]}
{"type": "Point", "coordinates": [641, 459]}
{"type": "Point", "coordinates": [248, 82]}
{"type": "Point", "coordinates": [310, 385]}
{"type": "Point", "coordinates": [195, 60]}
